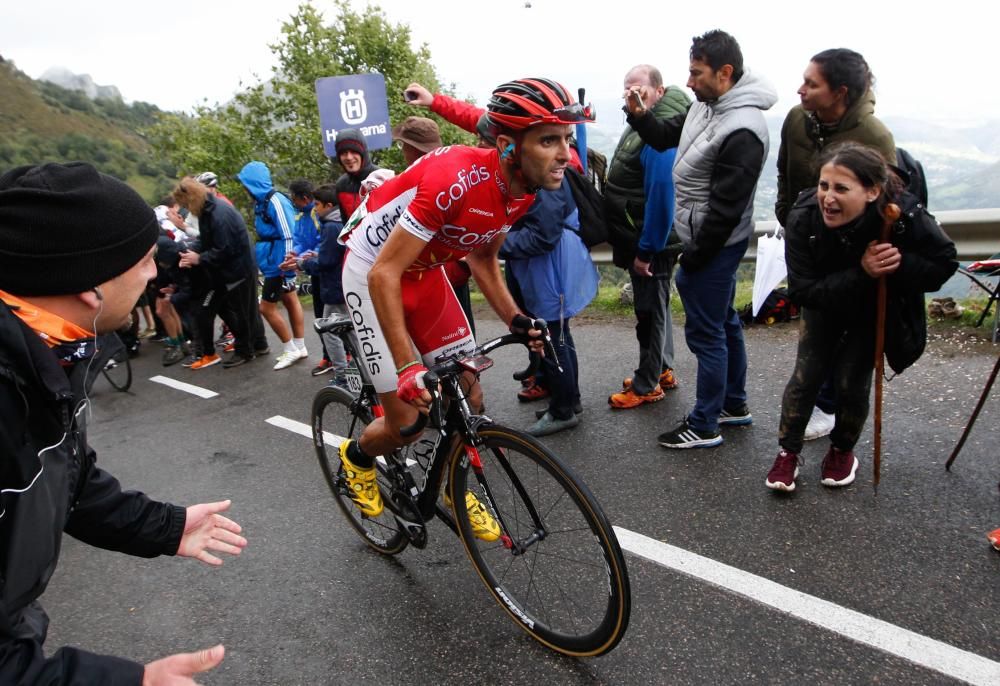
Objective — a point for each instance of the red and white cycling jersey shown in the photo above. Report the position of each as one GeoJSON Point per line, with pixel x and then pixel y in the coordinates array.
{"type": "Point", "coordinates": [453, 198]}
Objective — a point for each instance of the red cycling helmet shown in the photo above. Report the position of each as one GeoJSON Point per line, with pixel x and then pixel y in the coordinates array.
{"type": "Point", "coordinates": [517, 105]}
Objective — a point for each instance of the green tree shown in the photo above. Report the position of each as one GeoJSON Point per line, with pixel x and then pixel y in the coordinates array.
{"type": "Point", "coordinates": [277, 121]}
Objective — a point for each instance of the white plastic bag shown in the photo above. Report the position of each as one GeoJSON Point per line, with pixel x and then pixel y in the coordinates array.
{"type": "Point", "coordinates": [770, 269]}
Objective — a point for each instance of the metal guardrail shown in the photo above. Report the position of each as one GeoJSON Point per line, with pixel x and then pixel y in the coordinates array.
{"type": "Point", "coordinates": [976, 234]}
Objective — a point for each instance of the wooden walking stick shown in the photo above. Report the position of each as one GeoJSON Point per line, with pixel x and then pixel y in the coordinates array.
{"type": "Point", "coordinates": [975, 415]}
{"type": "Point", "coordinates": [891, 215]}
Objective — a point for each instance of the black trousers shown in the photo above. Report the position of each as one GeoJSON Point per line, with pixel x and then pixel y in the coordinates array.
{"type": "Point", "coordinates": [230, 304]}
{"type": "Point", "coordinates": [845, 354]}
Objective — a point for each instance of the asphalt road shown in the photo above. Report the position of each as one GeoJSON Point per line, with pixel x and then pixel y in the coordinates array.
{"type": "Point", "coordinates": [308, 603]}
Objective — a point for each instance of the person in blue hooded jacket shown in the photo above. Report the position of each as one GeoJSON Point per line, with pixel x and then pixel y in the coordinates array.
{"type": "Point", "coordinates": [550, 273]}
{"type": "Point", "coordinates": [274, 219]}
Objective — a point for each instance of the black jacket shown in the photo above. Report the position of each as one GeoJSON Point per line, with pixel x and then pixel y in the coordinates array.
{"type": "Point", "coordinates": [52, 485]}
{"type": "Point", "coordinates": [825, 273]}
{"type": "Point", "coordinates": [225, 245]}
{"type": "Point", "coordinates": [328, 264]}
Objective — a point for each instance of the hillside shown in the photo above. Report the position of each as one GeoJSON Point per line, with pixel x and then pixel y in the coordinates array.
{"type": "Point", "coordinates": [41, 121]}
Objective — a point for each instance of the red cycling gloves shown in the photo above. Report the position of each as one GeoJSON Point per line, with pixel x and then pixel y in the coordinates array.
{"type": "Point", "coordinates": [410, 381]}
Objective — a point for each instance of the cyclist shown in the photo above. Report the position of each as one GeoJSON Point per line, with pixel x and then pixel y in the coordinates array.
{"type": "Point", "coordinates": [454, 202]}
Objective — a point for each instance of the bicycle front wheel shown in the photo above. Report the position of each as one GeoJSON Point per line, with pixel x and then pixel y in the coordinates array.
{"type": "Point", "coordinates": [118, 369]}
{"type": "Point", "coordinates": [557, 569]}
{"type": "Point", "coordinates": [337, 416]}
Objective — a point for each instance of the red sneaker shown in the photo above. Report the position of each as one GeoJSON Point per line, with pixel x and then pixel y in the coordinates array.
{"type": "Point", "coordinates": [784, 472]}
{"type": "Point", "coordinates": [994, 538]}
{"type": "Point", "coordinates": [532, 393]}
{"type": "Point", "coordinates": [839, 467]}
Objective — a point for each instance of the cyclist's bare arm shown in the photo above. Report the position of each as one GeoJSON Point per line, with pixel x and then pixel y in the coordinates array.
{"type": "Point", "coordinates": [486, 270]}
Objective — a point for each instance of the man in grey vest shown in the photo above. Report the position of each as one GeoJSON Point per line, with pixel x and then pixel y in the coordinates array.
{"type": "Point", "coordinates": [639, 208]}
{"type": "Point", "coordinates": [721, 143]}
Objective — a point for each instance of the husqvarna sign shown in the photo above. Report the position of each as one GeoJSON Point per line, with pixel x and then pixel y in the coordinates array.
{"type": "Point", "coordinates": [354, 102]}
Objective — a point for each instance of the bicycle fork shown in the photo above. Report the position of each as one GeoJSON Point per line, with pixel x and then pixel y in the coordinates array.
{"type": "Point", "coordinates": [517, 547]}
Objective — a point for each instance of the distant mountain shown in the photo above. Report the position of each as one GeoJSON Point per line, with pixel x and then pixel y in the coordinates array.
{"type": "Point", "coordinates": [41, 121]}
{"type": "Point", "coordinates": [962, 164]}
{"type": "Point", "coordinates": [61, 76]}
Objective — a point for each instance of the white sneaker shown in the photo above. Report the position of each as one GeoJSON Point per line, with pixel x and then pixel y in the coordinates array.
{"type": "Point", "coordinates": [287, 359]}
{"type": "Point", "coordinates": [303, 353]}
{"type": "Point", "coordinates": [820, 424]}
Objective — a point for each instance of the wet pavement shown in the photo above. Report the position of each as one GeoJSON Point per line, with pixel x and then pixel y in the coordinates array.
{"type": "Point", "coordinates": [309, 603]}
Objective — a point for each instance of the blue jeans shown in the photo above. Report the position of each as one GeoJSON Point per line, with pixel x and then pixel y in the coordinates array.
{"type": "Point", "coordinates": [564, 387]}
{"type": "Point", "coordinates": [714, 334]}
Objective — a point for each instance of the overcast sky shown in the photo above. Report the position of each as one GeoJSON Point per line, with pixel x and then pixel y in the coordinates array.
{"type": "Point", "coordinates": [936, 62]}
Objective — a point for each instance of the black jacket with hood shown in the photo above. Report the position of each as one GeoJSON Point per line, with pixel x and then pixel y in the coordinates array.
{"type": "Point", "coordinates": [825, 273]}
{"type": "Point", "coordinates": [51, 485]}
{"type": "Point", "coordinates": [348, 186]}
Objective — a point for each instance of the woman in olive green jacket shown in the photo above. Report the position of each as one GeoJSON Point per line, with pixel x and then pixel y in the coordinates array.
{"type": "Point", "coordinates": [837, 106]}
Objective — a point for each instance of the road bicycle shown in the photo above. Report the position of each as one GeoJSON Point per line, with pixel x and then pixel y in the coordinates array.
{"type": "Point", "coordinates": [112, 362]}
{"type": "Point", "coordinates": [557, 568]}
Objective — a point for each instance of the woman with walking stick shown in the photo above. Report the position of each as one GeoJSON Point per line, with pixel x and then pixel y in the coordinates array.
{"type": "Point", "coordinates": [836, 259]}
{"type": "Point", "coordinates": [837, 105]}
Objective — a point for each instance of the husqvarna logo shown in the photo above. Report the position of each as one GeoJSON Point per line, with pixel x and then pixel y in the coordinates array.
{"type": "Point", "coordinates": [353, 108]}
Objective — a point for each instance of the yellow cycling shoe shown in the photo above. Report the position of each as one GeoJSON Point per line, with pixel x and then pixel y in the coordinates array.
{"type": "Point", "coordinates": [364, 489]}
{"type": "Point", "coordinates": [484, 527]}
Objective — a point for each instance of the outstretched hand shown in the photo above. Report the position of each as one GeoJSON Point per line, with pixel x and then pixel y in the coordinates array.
{"type": "Point", "coordinates": [424, 98]}
{"type": "Point", "coordinates": [205, 529]}
{"type": "Point", "coordinates": [177, 670]}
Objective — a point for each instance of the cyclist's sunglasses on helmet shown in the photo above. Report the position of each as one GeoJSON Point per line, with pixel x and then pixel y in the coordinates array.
{"type": "Point", "coordinates": [575, 113]}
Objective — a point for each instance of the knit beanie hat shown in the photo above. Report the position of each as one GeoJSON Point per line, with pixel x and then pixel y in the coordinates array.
{"type": "Point", "coordinates": [65, 228]}
{"type": "Point", "coordinates": [351, 139]}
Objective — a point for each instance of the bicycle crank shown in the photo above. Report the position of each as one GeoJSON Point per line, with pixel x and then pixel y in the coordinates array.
{"type": "Point", "coordinates": [410, 522]}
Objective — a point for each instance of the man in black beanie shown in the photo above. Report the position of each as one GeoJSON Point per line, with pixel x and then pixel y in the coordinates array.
{"type": "Point", "coordinates": [352, 153]}
{"type": "Point", "coordinates": [76, 249]}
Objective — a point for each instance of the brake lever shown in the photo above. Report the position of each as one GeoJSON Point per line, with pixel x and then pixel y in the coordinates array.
{"type": "Point", "coordinates": [550, 348]}
{"type": "Point", "coordinates": [433, 384]}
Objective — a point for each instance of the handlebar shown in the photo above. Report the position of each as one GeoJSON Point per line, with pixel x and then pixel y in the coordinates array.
{"type": "Point", "coordinates": [452, 366]}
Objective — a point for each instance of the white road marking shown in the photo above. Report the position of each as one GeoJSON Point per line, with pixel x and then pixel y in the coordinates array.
{"type": "Point", "coordinates": [924, 651]}
{"type": "Point", "coordinates": [186, 387]}
{"type": "Point", "coordinates": [304, 430]}
{"type": "Point", "coordinates": [909, 645]}
{"type": "Point", "coordinates": [330, 439]}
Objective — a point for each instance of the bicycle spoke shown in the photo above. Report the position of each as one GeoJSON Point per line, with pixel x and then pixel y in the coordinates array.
{"type": "Point", "coordinates": [564, 584]}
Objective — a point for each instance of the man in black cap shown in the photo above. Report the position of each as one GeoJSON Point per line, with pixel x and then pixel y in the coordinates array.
{"type": "Point", "coordinates": [68, 273]}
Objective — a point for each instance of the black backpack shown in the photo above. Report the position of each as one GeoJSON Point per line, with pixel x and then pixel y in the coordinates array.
{"type": "Point", "coordinates": [776, 308]}
{"type": "Point", "coordinates": [260, 209]}
{"type": "Point", "coordinates": [589, 201]}
{"type": "Point", "coordinates": [915, 170]}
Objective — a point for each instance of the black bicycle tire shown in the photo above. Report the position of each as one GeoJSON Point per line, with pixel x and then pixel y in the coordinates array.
{"type": "Point", "coordinates": [394, 540]}
{"type": "Point", "coordinates": [606, 633]}
{"type": "Point", "coordinates": [121, 359]}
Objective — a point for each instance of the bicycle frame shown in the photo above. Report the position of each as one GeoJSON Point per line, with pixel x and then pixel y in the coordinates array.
{"type": "Point", "coordinates": [459, 423]}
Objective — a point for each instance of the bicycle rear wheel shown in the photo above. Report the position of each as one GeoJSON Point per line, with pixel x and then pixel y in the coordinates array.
{"type": "Point", "coordinates": [337, 415]}
{"type": "Point", "coordinates": [118, 369]}
{"type": "Point", "coordinates": [557, 569]}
